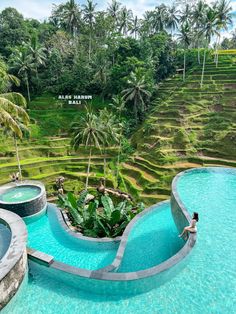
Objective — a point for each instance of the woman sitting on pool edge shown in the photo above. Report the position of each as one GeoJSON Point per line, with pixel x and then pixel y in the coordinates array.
{"type": "Point", "coordinates": [192, 228]}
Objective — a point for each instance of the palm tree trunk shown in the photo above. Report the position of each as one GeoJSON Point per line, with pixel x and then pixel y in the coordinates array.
{"type": "Point", "coordinates": [217, 52]}
{"type": "Point", "coordinates": [105, 166]}
{"type": "Point", "coordinates": [184, 65]}
{"type": "Point", "coordinates": [17, 158]}
{"type": "Point", "coordinates": [90, 44]}
{"type": "Point", "coordinates": [198, 53]}
{"type": "Point", "coordinates": [135, 111]}
{"type": "Point", "coordinates": [27, 85]}
{"type": "Point", "coordinates": [88, 169]}
{"type": "Point", "coordinates": [203, 67]}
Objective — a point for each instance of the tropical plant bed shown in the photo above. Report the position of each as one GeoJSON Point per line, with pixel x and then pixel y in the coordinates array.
{"type": "Point", "coordinates": [100, 217]}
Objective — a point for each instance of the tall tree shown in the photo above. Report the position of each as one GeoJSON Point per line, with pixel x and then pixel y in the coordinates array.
{"type": "Point", "coordinates": [37, 53]}
{"type": "Point", "coordinates": [184, 38]}
{"type": "Point", "coordinates": [89, 17]}
{"type": "Point", "coordinates": [135, 27]}
{"type": "Point", "coordinates": [110, 126]}
{"type": "Point", "coordinates": [88, 132]}
{"type": "Point", "coordinates": [198, 15]}
{"type": "Point", "coordinates": [114, 11]}
{"type": "Point", "coordinates": [125, 20]}
{"type": "Point", "coordinates": [172, 18]}
{"type": "Point", "coordinates": [209, 30]}
{"type": "Point", "coordinates": [118, 105]}
{"type": "Point", "coordinates": [67, 16]}
{"type": "Point", "coordinates": [224, 18]}
{"type": "Point", "coordinates": [22, 62]}
{"type": "Point", "coordinates": [137, 93]}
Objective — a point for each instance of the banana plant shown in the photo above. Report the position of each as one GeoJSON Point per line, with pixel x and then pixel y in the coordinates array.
{"type": "Point", "coordinates": [101, 217]}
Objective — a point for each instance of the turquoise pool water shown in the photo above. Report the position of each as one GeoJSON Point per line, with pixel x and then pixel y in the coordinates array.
{"type": "Point", "coordinates": [46, 235]}
{"type": "Point", "coordinates": [153, 240]}
{"type": "Point", "coordinates": [20, 194]}
{"type": "Point", "coordinates": [5, 239]}
{"type": "Point", "coordinates": [206, 285]}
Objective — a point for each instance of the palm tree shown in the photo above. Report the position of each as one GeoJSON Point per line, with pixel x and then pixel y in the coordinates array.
{"type": "Point", "coordinates": [89, 17]}
{"type": "Point", "coordinates": [88, 132]}
{"type": "Point", "coordinates": [137, 93]}
{"type": "Point", "coordinates": [111, 129]}
{"type": "Point", "coordinates": [209, 30]}
{"type": "Point", "coordinates": [68, 16]}
{"type": "Point", "coordinates": [13, 118]}
{"type": "Point", "coordinates": [224, 18]}
{"type": "Point", "coordinates": [198, 15]}
{"type": "Point", "coordinates": [118, 105]}
{"type": "Point", "coordinates": [185, 38]}
{"type": "Point", "coordinates": [186, 14]}
{"type": "Point", "coordinates": [71, 17]}
{"type": "Point", "coordinates": [172, 18]}
{"type": "Point", "coordinates": [159, 18]}
{"type": "Point", "coordinates": [114, 10]}
{"type": "Point", "coordinates": [22, 61]}
{"type": "Point", "coordinates": [37, 53]}
{"type": "Point", "coordinates": [125, 19]}
{"type": "Point", "coordinates": [134, 28]}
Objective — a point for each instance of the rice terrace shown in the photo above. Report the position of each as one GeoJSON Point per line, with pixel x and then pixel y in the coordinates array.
{"type": "Point", "coordinates": [117, 156]}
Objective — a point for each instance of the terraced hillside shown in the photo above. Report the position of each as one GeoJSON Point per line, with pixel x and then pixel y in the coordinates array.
{"type": "Point", "coordinates": [188, 127]}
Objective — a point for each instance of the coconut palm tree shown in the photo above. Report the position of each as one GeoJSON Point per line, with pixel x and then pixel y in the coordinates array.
{"type": "Point", "coordinates": [89, 15]}
{"type": "Point", "coordinates": [159, 18]}
{"type": "Point", "coordinates": [137, 93]}
{"type": "Point", "coordinates": [209, 30]}
{"type": "Point", "coordinates": [118, 105]}
{"type": "Point", "coordinates": [224, 18]}
{"type": "Point", "coordinates": [125, 19]}
{"type": "Point", "coordinates": [134, 28]}
{"type": "Point", "coordinates": [184, 38]}
{"type": "Point", "coordinates": [172, 18]}
{"type": "Point", "coordinates": [22, 62]}
{"type": "Point", "coordinates": [88, 132]}
{"type": "Point", "coordinates": [67, 15]}
{"type": "Point", "coordinates": [114, 11]}
{"type": "Point", "coordinates": [13, 117]}
{"type": "Point", "coordinates": [111, 128]}
{"type": "Point", "coordinates": [198, 15]}
{"type": "Point", "coordinates": [37, 53]}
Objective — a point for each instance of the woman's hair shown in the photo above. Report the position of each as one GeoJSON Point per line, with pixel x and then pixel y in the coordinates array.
{"type": "Point", "coordinates": [195, 216]}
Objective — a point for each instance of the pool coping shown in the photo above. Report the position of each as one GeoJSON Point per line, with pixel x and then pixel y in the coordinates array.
{"type": "Point", "coordinates": [14, 184]}
{"type": "Point", "coordinates": [18, 241]}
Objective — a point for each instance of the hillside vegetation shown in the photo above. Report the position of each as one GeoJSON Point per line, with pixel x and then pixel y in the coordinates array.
{"type": "Point", "coordinates": [187, 127]}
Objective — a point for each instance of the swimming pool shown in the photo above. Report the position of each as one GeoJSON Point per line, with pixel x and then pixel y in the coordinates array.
{"type": "Point", "coordinates": [206, 285]}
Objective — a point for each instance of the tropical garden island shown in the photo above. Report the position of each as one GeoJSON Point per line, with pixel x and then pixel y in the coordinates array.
{"type": "Point", "coordinates": [105, 105]}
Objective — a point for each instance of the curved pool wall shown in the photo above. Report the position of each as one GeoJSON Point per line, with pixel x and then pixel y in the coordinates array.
{"type": "Point", "coordinates": [5, 239]}
{"type": "Point", "coordinates": [27, 207]}
{"type": "Point", "coordinates": [108, 280]}
{"type": "Point", "coordinates": [13, 264]}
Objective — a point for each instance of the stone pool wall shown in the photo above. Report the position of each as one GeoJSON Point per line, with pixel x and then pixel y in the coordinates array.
{"type": "Point", "coordinates": [13, 265]}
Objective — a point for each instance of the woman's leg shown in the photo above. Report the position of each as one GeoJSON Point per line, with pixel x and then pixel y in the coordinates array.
{"type": "Point", "coordinates": [184, 231]}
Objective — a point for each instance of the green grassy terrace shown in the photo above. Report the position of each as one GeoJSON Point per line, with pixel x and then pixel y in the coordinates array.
{"type": "Point", "coordinates": [188, 127]}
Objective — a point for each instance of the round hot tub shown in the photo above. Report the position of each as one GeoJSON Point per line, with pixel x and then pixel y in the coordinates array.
{"type": "Point", "coordinates": [25, 198]}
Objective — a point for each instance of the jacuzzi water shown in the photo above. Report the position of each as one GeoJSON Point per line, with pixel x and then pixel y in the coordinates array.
{"type": "Point", "coordinates": [206, 285]}
{"type": "Point", "coordinates": [20, 194]}
{"type": "Point", "coordinates": [5, 239]}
